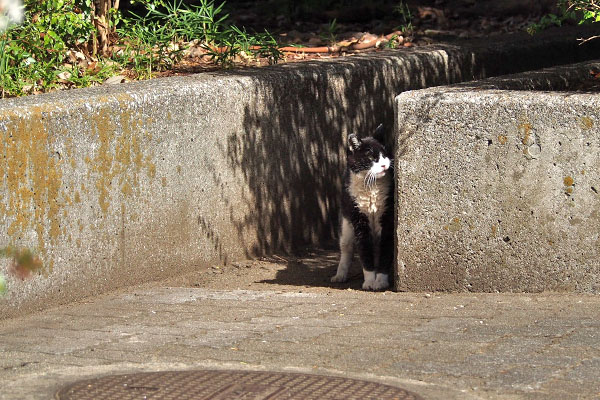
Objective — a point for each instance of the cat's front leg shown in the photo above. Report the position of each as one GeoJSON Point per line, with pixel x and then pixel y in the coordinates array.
{"type": "Point", "coordinates": [346, 251]}
{"type": "Point", "coordinates": [386, 256]}
{"type": "Point", "coordinates": [382, 281]}
{"type": "Point", "coordinates": [365, 244]}
{"type": "Point", "coordinates": [377, 278]}
{"type": "Point", "coordinates": [369, 282]}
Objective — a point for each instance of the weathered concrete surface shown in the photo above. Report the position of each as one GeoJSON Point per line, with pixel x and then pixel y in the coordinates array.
{"type": "Point", "coordinates": [498, 189]}
{"type": "Point", "coordinates": [559, 78]}
{"type": "Point", "coordinates": [115, 186]}
{"type": "Point", "coordinates": [441, 346]}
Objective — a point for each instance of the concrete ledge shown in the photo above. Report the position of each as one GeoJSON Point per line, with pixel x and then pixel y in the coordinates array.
{"type": "Point", "coordinates": [122, 185]}
{"type": "Point", "coordinates": [499, 189]}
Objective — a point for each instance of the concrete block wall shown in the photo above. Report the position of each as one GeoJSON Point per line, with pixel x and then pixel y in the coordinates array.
{"type": "Point", "coordinates": [121, 185]}
{"type": "Point", "coordinates": [498, 190]}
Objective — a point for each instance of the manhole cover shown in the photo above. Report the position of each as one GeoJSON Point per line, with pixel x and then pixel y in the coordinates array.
{"type": "Point", "coordinates": [221, 385]}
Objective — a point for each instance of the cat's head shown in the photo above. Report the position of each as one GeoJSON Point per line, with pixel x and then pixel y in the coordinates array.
{"type": "Point", "coordinates": [368, 154]}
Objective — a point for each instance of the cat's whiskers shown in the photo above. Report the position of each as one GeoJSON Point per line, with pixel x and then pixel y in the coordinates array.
{"type": "Point", "coordinates": [370, 180]}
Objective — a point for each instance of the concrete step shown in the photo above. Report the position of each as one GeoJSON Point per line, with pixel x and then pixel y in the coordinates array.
{"type": "Point", "coordinates": [119, 185]}
{"type": "Point", "coordinates": [498, 189]}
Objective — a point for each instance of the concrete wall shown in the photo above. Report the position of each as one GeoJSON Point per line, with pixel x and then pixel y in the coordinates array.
{"type": "Point", "coordinates": [119, 185]}
{"type": "Point", "coordinates": [499, 189]}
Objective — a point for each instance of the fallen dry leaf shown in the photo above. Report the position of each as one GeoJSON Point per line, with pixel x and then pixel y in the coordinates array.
{"type": "Point", "coordinates": [115, 80]}
{"type": "Point", "coordinates": [65, 76]}
{"type": "Point", "coordinates": [346, 43]}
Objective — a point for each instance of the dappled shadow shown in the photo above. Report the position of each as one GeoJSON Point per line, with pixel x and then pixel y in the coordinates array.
{"type": "Point", "coordinates": [315, 269]}
{"type": "Point", "coordinates": [296, 118]}
{"type": "Point", "coordinates": [291, 152]}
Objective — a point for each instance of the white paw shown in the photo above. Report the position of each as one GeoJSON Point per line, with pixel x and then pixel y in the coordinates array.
{"type": "Point", "coordinates": [376, 282]}
{"type": "Point", "coordinates": [381, 282]}
{"type": "Point", "coordinates": [369, 282]}
{"type": "Point", "coordinates": [339, 278]}
{"type": "Point", "coordinates": [368, 285]}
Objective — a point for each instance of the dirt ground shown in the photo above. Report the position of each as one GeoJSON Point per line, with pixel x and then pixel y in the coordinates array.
{"type": "Point", "coordinates": [428, 22]}
{"type": "Point", "coordinates": [465, 18]}
{"type": "Point", "coordinates": [309, 272]}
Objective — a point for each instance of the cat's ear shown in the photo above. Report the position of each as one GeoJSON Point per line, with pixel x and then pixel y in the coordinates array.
{"type": "Point", "coordinates": [379, 133]}
{"type": "Point", "coordinates": [353, 142]}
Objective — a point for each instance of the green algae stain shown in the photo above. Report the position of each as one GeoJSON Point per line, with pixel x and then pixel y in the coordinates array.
{"type": "Point", "coordinates": [34, 198]}
{"type": "Point", "coordinates": [103, 160]}
{"type": "Point", "coordinates": [569, 183]}
{"type": "Point", "coordinates": [525, 129]}
{"type": "Point", "coordinates": [527, 139]}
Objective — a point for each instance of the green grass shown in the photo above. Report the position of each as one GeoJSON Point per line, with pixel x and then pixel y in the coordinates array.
{"type": "Point", "coordinates": [406, 26]}
{"type": "Point", "coordinates": [34, 56]}
{"type": "Point", "coordinates": [330, 34]}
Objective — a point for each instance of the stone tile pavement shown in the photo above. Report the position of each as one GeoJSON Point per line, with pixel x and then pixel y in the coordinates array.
{"type": "Point", "coordinates": [441, 346]}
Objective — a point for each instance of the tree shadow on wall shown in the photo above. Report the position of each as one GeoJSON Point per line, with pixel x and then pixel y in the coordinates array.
{"type": "Point", "coordinates": [291, 154]}
{"type": "Point", "coordinates": [291, 151]}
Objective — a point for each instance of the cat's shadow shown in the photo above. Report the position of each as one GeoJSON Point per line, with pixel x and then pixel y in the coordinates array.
{"type": "Point", "coordinates": [315, 269]}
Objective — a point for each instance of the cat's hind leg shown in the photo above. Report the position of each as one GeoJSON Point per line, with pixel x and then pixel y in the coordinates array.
{"type": "Point", "coordinates": [346, 251]}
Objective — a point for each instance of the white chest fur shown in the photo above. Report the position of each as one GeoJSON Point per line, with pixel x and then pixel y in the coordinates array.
{"type": "Point", "coordinates": [371, 200]}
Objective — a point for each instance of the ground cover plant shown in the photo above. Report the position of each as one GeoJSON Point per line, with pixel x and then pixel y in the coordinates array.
{"type": "Point", "coordinates": [59, 43]}
{"type": "Point", "coordinates": [63, 44]}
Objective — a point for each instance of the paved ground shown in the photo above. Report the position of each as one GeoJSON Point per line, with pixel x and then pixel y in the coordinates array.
{"type": "Point", "coordinates": [282, 315]}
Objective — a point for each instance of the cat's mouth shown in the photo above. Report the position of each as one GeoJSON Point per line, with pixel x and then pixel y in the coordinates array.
{"type": "Point", "coordinates": [380, 174]}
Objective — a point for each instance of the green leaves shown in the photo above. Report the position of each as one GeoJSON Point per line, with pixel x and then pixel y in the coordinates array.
{"type": "Point", "coordinates": [39, 55]}
{"type": "Point", "coordinates": [32, 54]}
{"type": "Point", "coordinates": [590, 16]}
{"type": "Point", "coordinates": [406, 17]}
{"type": "Point", "coordinates": [581, 11]}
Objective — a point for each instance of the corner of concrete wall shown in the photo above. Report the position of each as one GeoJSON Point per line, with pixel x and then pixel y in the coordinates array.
{"type": "Point", "coordinates": [498, 189]}
{"type": "Point", "coordinates": [122, 185]}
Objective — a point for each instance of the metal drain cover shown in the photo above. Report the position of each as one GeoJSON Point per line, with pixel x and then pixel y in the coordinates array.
{"type": "Point", "coordinates": [221, 385]}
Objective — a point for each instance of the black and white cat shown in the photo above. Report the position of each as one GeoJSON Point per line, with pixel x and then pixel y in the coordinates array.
{"type": "Point", "coordinates": [367, 212]}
